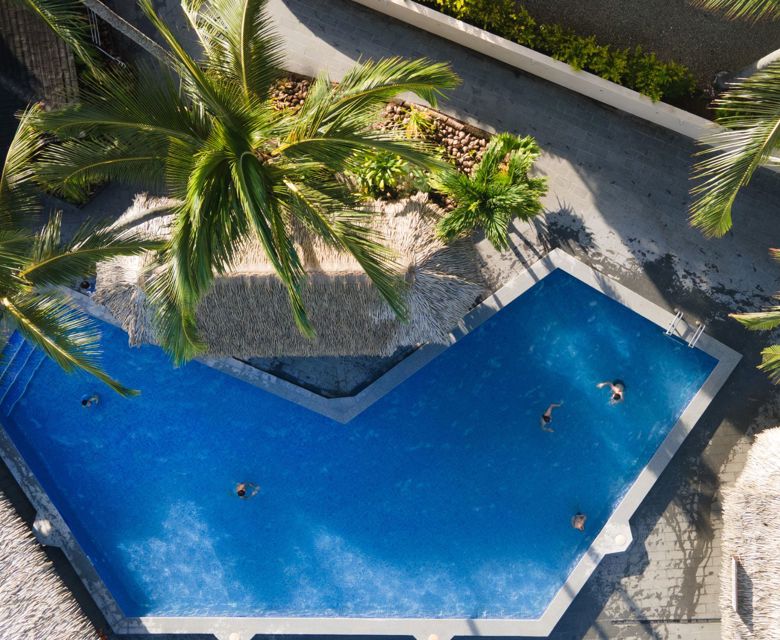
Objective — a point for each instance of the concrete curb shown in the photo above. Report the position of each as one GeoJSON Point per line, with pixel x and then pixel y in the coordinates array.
{"type": "Point", "coordinates": [545, 67]}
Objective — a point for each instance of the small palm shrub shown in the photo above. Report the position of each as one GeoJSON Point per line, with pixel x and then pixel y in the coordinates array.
{"type": "Point", "coordinates": [386, 176]}
{"type": "Point", "coordinates": [498, 190]}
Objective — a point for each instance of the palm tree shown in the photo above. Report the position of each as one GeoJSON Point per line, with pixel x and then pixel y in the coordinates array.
{"type": "Point", "coordinates": [207, 131]}
{"type": "Point", "coordinates": [34, 265]}
{"type": "Point", "coordinates": [498, 190]}
{"type": "Point", "coordinates": [750, 115]}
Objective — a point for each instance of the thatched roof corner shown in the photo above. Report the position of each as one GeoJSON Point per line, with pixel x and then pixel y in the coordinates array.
{"type": "Point", "coordinates": [750, 569]}
{"type": "Point", "coordinates": [246, 314]}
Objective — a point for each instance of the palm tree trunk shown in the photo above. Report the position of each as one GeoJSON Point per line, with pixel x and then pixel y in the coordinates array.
{"type": "Point", "coordinates": [126, 29]}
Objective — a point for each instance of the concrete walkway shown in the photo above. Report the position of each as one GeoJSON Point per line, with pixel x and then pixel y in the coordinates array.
{"type": "Point", "coordinates": [618, 195]}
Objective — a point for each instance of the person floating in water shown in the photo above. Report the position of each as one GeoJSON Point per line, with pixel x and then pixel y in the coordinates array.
{"type": "Point", "coordinates": [546, 419]}
{"type": "Point", "coordinates": [247, 489]}
{"type": "Point", "coordinates": [578, 521]}
{"type": "Point", "coordinates": [88, 401]}
{"type": "Point", "coordinates": [618, 390]}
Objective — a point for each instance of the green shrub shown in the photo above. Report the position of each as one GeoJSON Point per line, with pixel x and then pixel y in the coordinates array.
{"type": "Point", "coordinates": [499, 190]}
{"type": "Point", "coordinates": [383, 175]}
{"type": "Point", "coordinates": [632, 68]}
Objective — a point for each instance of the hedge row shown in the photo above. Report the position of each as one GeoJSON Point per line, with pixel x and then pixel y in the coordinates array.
{"type": "Point", "coordinates": [632, 68]}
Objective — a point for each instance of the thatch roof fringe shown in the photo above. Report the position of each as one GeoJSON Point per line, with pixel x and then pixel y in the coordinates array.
{"type": "Point", "coordinates": [34, 602]}
{"type": "Point", "coordinates": [246, 313]}
{"type": "Point", "coordinates": [751, 545]}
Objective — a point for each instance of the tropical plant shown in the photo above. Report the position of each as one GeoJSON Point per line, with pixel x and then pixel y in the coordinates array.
{"type": "Point", "coordinates": [240, 169]}
{"type": "Point", "coordinates": [419, 123]}
{"type": "Point", "coordinates": [498, 190]}
{"type": "Point", "coordinates": [32, 265]}
{"type": "Point", "coordinates": [750, 115]}
{"type": "Point", "coordinates": [379, 173]}
{"type": "Point", "coordinates": [383, 175]}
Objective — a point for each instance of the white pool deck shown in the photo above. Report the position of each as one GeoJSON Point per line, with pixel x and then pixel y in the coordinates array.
{"type": "Point", "coordinates": [614, 537]}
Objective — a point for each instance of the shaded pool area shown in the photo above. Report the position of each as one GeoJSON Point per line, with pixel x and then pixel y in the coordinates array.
{"type": "Point", "coordinates": [444, 499]}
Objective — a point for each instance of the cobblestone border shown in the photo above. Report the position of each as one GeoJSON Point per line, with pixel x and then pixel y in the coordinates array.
{"type": "Point", "coordinates": [615, 536]}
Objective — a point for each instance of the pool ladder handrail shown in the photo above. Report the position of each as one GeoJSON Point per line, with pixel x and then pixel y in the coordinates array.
{"type": "Point", "coordinates": [696, 334]}
{"type": "Point", "coordinates": [677, 317]}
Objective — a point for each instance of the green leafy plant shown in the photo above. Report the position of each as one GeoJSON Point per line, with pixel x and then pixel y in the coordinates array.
{"type": "Point", "coordinates": [238, 168]}
{"type": "Point", "coordinates": [632, 68]}
{"type": "Point", "coordinates": [382, 175]}
{"type": "Point", "coordinates": [32, 265]}
{"type": "Point", "coordinates": [419, 125]}
{"type": "Point", "coordinates": [379, 174]}
{"type": "Point", "coordinates": [499, 190]}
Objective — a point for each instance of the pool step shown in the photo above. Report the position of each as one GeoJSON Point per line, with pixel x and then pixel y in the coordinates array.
{"type": "Point", "coordinates": [23, 379]}
{"type": "Point", "coordinates": [14, 368]}
{"type": "Point", "coordinates": [9, 351]}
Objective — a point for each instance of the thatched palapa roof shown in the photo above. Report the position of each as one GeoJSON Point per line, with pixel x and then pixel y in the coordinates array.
{"type": "Point", "coordinates": [246, 314]}
{"type": "Point", "coordinates": [751, 546]}
{"type": "Point", "coordinates": [34, 602]}
{"type": "Point", "coordinates": [35, 63]}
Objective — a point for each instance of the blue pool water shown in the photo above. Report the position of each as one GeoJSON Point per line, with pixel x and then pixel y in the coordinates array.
{"type": "Point", "coordinates": [443, 499]}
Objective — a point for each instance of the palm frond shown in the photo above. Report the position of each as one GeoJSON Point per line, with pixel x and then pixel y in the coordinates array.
{"type": "Point", "coordinates": [350, 231]}
{"type": "Point", "coordinates": [770, 362]}
{"type": "Point", "coordinates": [53, 263]}
{"type": "Point", "coordinates": [219, 97]}
{"type": "Point", "coordinates": [173, 315]}
{"type": "Point", "coordinates": [759, 320]}
{"type": "Point", "coordinates": [68, 19]}
{"type": "Point", "coordinates": [145, 101]}
{"type": "Point", "coordinates": [751, 117]}
{"type": "Point", "coordinates": [63, 332]}
{"type": "Point", "coordinates": [18, 197]}
{"type": "Point", "coordinates": [354, 104]}
{"type": "Point", "coordinates": [255, 192]}
{"type": "Point", "coordinates": [74, 166]}
{"type": "Point", "coordinates": [336, 149]}
{"type": "Point", "coordinates": [750, 9]}
{"type": "Point", "coordinates": [498, 191]}
{"type": "Point", "coordinates": [240, 44]}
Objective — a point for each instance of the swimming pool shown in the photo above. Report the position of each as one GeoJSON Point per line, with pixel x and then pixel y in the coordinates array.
{"type": "Point", "coordinates": [441, 499]}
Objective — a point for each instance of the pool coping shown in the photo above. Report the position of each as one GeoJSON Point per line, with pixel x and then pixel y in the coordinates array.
{"type": "Point", "coordinates": [615, 536]}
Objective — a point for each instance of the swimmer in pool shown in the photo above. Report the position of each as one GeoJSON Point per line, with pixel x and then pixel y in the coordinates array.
{"type": "Point", "coordinates": [546, 419]}
{"type": "Point", "coordinates": [617, 388]}
{"type": "Point", "coordinates": [88, 401]}
{"type": "Point", "coordinates": [247, 489]}
{"type": "Point", "coordinates": [578, 521]}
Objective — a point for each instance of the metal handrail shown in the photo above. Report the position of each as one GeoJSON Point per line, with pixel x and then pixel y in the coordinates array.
{"type": "Point", "coordinates": [677, 317]}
